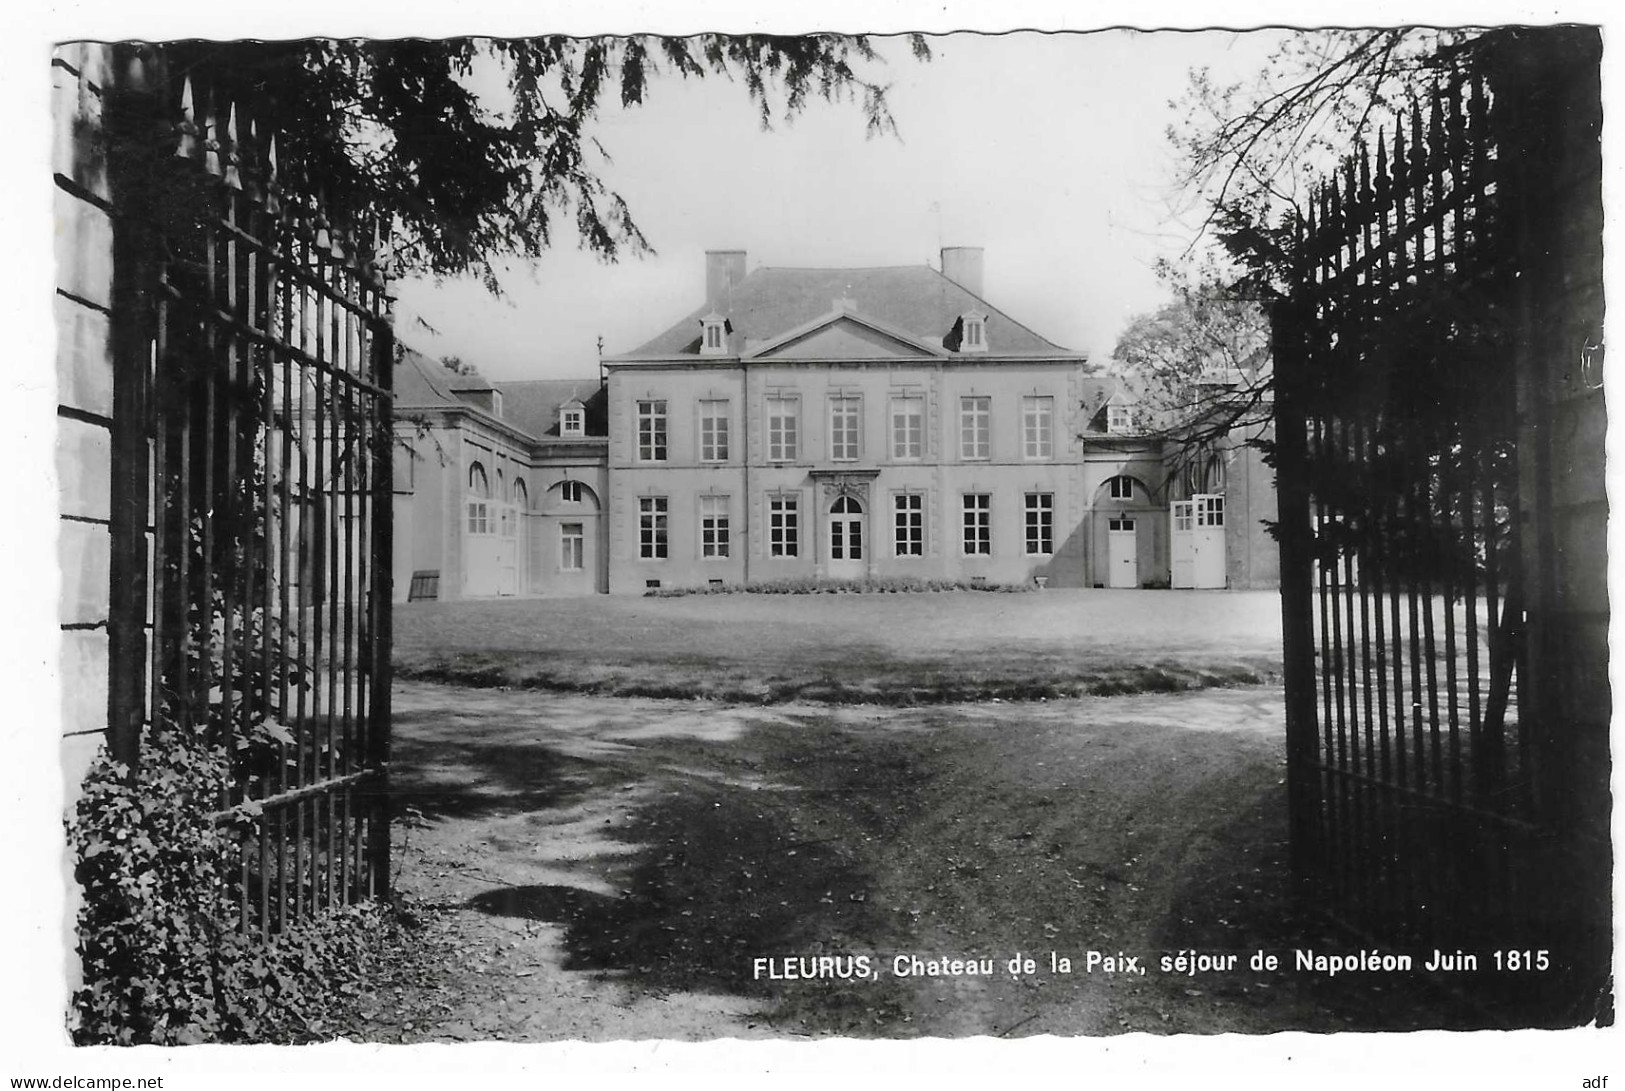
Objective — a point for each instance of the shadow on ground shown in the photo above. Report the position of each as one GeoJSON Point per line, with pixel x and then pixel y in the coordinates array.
{"type": "Point", "coordinates": [722, 869]}
{"type": "Point", "coordinates": [616, 855]}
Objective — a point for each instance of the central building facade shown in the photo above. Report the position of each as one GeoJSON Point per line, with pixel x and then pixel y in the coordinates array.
{"type": "Point", "coordinates": [857, 423]}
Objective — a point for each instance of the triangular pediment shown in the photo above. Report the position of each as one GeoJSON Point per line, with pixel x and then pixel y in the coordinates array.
{"type": "Point", "coordinates": [843, 337]}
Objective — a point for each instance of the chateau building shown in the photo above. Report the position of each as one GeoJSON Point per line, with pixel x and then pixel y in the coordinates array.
{"type": "Point", "coordinates": [499, 487]}
{"type": "Point", "coordinates": [839, 423]}
{"type": "Point", "coordinates": [848, 423]}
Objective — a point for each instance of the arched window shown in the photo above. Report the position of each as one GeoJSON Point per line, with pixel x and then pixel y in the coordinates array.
{"type": "Point", "coordinates": [1215, 473]}
{"type": "Point", "coordinates": [479, 513]}
{"type": "Point", "coordinates": [521, 495]}
{"type": "Point", "coordinates": [1120, 487]}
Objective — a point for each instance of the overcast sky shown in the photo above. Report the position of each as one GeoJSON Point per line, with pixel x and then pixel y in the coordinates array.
{"type": "Point", "coordinates": [1045, 149]}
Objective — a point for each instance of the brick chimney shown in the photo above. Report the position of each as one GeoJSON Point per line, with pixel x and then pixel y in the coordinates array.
{"type": "Point", "coordinates": [723, 270]}
{"type": "Point", "coordinates": [963, 266]}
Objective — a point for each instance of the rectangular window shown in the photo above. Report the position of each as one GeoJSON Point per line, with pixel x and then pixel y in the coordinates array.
{"type": "Point", "coordinates": [975, 427]}
{"type": "Point", "coordinates": [652, 528]}
{"type": "Point", "coordinates": [908, 428]}
{"type": "Point", "coordinates": [652, 431]}
{"type": "Point", "coordinates": [572, 542]}
{"type": "Point", "coordinates": [714, 430]}
{"type": "Point", "coordinates": [783, 532]}
{"type": "Point", "coordinates": [570, 492]}
{"type": "Point", "coordinates": [478, 517]}
{"type": "Point", "coordinates": [574, 422]}
{"type": "Point", "coordinates": [713, 526]}
{"type": "Point", "coordinates": [1038, 427]}
{"type": "Point", "coordinates": [978, 523]}
{"type": "Point", "coordinates": [909, 522]}
{"type": "Point", "coordinates": [1119, 418]}
{"type": "Point", "coordinates": [1121, 487]}
{"type": "Point", "coordinates": [1210, 511]}
{"type": "Point", "coordinates": [845, 413]}
{"type": "Point", "coordinates": [783, 417]}
{"type": "Point", "coordinates": [1040, 523]}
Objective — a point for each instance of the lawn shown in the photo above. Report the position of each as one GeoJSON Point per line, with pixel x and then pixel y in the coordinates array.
{"type": "Point", "coordinates": [901, 649]}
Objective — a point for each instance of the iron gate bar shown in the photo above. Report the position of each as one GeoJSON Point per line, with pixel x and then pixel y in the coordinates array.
{"type": "Point", "coordinates": [1427, 793]}
{"type": "Point", "coordinates": [267, 505]}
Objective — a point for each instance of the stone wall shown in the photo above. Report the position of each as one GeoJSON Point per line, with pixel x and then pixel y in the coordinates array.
{"type": "Point", "coordinates": [83, 306]}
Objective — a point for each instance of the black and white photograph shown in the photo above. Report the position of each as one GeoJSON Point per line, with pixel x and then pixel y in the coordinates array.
{"type": "Point", "coordinates": [656, 540]}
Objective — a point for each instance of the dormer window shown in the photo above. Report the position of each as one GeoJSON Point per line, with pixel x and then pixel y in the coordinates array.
{"type": "Point", "coordinates": [572, 419]}
{"type": "Point", "coordinates": [973, 333]}
{"type": "Point", "coordinates": [1119, 419]}
{"type": "Point", "coordinates": [714, 330]}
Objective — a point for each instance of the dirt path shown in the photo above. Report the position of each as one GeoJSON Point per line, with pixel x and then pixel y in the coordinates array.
{"type": "Point", "coordinates": [604, 868]}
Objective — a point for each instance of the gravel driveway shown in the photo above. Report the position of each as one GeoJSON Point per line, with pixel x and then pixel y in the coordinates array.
{"type": "Point", "coordinates": [604, 868]}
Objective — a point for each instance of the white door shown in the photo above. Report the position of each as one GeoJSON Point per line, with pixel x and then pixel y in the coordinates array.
{"type": "Point", "coordinates": [847, 560]}
{"type": "Point", "coordinates": [1122, 554]}
{"type": "Point", "coordinates": [1207, 567]}
{"type": "Point", "coordinates": [507, 551]}
{"type": "Point", "coordinates": [479, 550]}
{"type": "Point", "coordinates": [1182, 545]}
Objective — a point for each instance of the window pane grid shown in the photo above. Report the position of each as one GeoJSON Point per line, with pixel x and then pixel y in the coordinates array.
{"type": "Point", "coordinates": [713, 526]}
{"type": "Point", "coordinates": [652, 431]}
{"type": "Point", "coordinates": [978, 523]}
{"type": "Point", "coordinates": [713, 431]}
{"type": "Point", "coordinates": [571, 546]}
{"type": "Point", "coordinates": [652, 527]}
{"type": "Point", "coordinates": [1037, 421]}
{"type": "Point", "coordinates": [1040, 523]}
{"type": "Point", "coordinates": [783, 536]}
{"type": "Point", "coordinates": [909, 523]}
{"type": "Point", "coordinates": [908, 428]}
{"type": "Point", "coordinates": [782, 414]}
{"type": "Point", "coordinates": [843, 429]}
{"type": "Point", "coordinates": [975, 427]}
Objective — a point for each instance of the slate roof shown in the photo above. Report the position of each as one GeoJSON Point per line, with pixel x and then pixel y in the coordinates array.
{"type": "Point", "coordinates": [420, 383]}
{"type": "Point", "coordinates": [532, 406]}
{"type": "Point", "coordinates": [916, 299]}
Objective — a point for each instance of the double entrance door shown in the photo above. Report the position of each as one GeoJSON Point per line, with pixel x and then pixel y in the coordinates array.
{"type": "Point", "coordinates": [847, 559]}
{"type": "Point", "coordinates": [1196, 542]}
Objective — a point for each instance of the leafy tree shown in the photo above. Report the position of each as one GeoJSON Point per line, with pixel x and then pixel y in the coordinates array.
{"type": "Point", "coordinates": [407, 133]}
{"type": "Point", "coordinates": [1207, 330]}
{"type": "Point", "coordinates": [1249, 155]}
{"type": "Point", "coordinates": [1250, 151]}
{"type": "Point", "coordinates": [1200, 368]}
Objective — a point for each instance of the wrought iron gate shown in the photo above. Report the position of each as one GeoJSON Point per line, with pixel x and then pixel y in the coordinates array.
{"type": "Point", "coordinates": [252, 488]}
{"type": "Point", "coordinates": [1443, 793]}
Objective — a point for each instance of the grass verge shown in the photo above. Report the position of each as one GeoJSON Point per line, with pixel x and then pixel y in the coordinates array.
{"type": "Point", "coordinates": [869, 682]}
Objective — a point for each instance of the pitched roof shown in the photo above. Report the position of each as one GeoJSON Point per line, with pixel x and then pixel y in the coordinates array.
{"type": "Point", "coordinates": [532, 406]}
{"type": "Point", "coordinates": [420, 383]}
{"type": "Point", "coordinates": [915, 299]}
